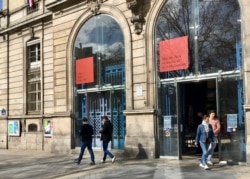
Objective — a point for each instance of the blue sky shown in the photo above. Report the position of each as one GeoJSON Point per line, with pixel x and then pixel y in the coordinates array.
{"type": "Point", "coordinates": [1, 1]}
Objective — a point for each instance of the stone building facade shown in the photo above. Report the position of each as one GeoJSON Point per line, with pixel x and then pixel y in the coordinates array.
{"type": "Point", "coordinates": [42, 45]}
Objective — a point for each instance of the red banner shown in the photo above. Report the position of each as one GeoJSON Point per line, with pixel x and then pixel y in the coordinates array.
{"type": "Point", "coordinates": [85, 70]}
{"type": "Point", "coordinates": [174, 54]}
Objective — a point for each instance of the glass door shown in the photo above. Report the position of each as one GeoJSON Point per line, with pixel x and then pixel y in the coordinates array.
{"type": "Point", "coordinates": [168, 123]}
{"type": "Point", "coordinates": [232, 143]}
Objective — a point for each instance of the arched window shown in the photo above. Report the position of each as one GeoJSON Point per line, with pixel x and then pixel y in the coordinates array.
{"type": "Point", "coordinates": [32, 128]}
{"type": "Point", "coordinates": [99, 53]}
{"type": "Point", "coordinates": [213, 29]}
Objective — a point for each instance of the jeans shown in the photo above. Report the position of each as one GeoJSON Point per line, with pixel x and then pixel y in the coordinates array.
{"type": "Point", "coordinates": [87, 144]}
{"type": "Point", "coordinates": [204, 148]}
{"type": "Point", "coordinates": [106, 151]}
{"type": "Point", "coordinates": [211, 151]}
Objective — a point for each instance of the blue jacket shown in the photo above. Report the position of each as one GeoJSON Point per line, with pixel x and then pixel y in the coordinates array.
{"type": "Point", "coordinates": [201, 134]}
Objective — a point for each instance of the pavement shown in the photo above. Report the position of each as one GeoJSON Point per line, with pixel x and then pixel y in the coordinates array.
{"type": "Point", "coordinates": [19, 164]}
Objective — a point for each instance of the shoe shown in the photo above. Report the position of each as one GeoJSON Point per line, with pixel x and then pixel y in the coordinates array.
{"type": "Point", "coordinates": [102, 161]}
{"type": "Point", "coordinates": [92, 163]}
{"type": "Point", "coordinates": [113, 159]}
{"type": "Point", "coordinates": [206, 167]}
{"type": "Point", "coordinates": [201, 165]}
{"type": "Point", "coordinates": [77, 161]}
{"type": "Point", "coordinates": [210, 163]}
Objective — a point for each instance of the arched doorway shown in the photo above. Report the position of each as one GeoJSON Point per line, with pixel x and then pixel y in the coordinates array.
{"type": "Point", "coordinates": [212, 79]}
{"type": "Point", "coordinates": [99, 63]}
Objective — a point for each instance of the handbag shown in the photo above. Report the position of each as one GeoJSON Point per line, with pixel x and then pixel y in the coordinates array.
{"type": "Point", "coordinates": [208, 140]}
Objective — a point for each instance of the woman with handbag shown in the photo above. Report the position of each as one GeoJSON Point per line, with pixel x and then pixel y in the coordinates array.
{"type": "Point", "coordinates": [205, 137]}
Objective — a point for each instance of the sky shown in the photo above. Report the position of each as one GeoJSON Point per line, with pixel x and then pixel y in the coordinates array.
{"type": "Point", "coordinates": [1, 4]}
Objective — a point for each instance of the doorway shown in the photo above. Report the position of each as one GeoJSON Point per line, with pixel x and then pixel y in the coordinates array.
{"type": "Point", "coordinates": [93, 105]}
{"type": "Point", "coordinates": [196, 99]}
{"type": "Point", "coordinates": [180, 103]}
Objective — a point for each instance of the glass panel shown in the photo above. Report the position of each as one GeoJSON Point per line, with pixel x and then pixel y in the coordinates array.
{"type": "Point", "coordinates": [213, 28]}
{"type": "Point", "coordinates": [168, 132]}
{"type": "Point", "coordinates": [118, 119]}
{"type": "Point", "coordinates": [102, 38]}
{"type": "Point", "coordinates": [233, 144]}
{"type": "Point", "coordinates": [34, 53]}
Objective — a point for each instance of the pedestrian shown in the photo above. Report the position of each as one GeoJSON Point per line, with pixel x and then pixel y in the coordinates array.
{"type": "Point", "coordinates": [205, 138]}
{"type": "Point", "coordinates": [86, 133]}
{"type": "Point", "coordinates": [106, 137]}
{"type": "Point", "coordinates": [216, 129]}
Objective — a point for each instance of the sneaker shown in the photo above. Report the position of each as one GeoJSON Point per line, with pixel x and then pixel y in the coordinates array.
{"type": "Point", "coordinates": [113, 159]}
{"type": "Point", "coordinates": [92, 163]}
{"type": "Point", "coordinates": [102, 161]}
{"type": "Point", "coordinates": [210, 163]}
{"type": "Point", "coordinates": [206, 167]}
{"type": "Point", "coordinates": [77, 161]}
{"type": "Point", "coordinates": [201, 165]}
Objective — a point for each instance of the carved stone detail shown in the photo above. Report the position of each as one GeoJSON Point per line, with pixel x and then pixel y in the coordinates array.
{"type": "Point", "coordinates": [94, 5]}
{"type": "Point", "coordinates": [136, 6]}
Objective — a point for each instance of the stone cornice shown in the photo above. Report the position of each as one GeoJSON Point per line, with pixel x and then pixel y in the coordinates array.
{"type": "Point", "coordinates": [247, 107]}
{"type": "Point", "coordinates": [25, 22]}
{"type": "Point", "coordinates": [55, 3]}
{"type": "Point", "coordinates": [35, 116]}
{"type": "Point", "coordinates": [139, 112]}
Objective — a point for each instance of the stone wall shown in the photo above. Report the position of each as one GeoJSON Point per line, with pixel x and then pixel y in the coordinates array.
{"type": "Point", "coordinates": [245, 17]}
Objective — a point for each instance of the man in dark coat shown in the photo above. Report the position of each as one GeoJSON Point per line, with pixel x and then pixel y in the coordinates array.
{"type": "Point", "coordinates": [106, 137]}
{"type": "Point", "coordinates": [86, 133]}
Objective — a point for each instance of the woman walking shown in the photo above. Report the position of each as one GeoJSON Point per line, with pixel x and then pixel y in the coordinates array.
{"type": "Point", "coordinates": [205, 137]}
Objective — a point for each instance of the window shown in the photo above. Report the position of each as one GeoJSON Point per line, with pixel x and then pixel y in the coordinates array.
{"type": "Point", "coordinates": [101, 37]}
{"type": "Point", "coordinates": [214, 33]}
{"type": "Point", "coordinates": [32, 9]}
{"type": "Point", "coordinates": [1, 5]}
{"type": "Point", "coordinates": [33, 77]}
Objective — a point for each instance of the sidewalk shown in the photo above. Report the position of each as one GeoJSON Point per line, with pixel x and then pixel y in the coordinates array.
{"type": "Point", "coordinates": [38, 164]}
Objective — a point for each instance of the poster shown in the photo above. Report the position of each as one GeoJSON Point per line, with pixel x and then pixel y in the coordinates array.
{"type": "Point", "coordinates": [14, 128]}
{"type": "Point", "coordinates": [85, 70]}
{"type": "Point", "coordinates": [167, 125]}
{"type": "Point", "coordinates": [174, 54]}
{"type": "Point", "coordinates": [232, 120]}
{"type": "Point", "coordinates": [167, 122]}
{"type": "Point", "coordinates": [48, 127]}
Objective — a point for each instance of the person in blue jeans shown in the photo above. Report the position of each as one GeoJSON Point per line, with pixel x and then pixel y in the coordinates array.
{"type": "Point", "coordinates": [205, 137]}
{"type": "Point", "coordinates": [86, 133]}
{"type": "Point", "coordinates": [106, 137]}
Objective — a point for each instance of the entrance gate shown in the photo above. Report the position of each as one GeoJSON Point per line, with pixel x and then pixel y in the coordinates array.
{"type": "Point", "coordinates": [109, 103]}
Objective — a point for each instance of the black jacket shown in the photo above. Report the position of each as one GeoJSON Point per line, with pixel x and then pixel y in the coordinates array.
{"type": "Point", "coordinates": [107, 130]}
{"type": "Point", "coordinates": [86, 132]}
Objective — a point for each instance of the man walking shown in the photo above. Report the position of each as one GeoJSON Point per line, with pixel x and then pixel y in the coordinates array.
{"type": "Point", "coordinates": [106, 137]}
{"type": "Point", "coordinates": [86, 133]}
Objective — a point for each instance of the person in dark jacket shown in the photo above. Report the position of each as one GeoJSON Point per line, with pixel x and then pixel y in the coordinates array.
{"type": "Point", "coordinates": [106, 137]}
{"type": "Point", "coordinates": [86, 133]}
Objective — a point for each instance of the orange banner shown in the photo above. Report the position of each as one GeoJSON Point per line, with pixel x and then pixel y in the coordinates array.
{"type": "Point", "coordinates": [174, 54]}
{"type": "Point", "coordinates": [85, 70]}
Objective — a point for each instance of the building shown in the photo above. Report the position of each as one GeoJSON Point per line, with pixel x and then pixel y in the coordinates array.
{"type": "Point", "coordinates": [151, 66]}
